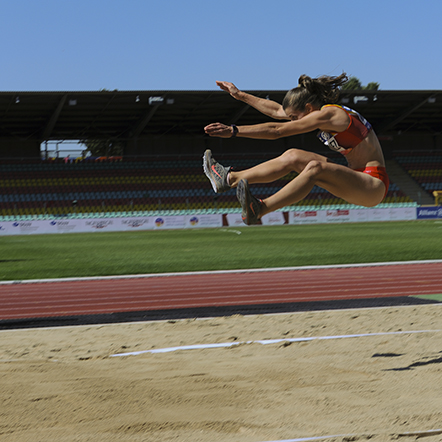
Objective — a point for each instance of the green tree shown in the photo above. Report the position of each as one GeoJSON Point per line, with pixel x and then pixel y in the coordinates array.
{"type": "Point", "coordinates": [354, 83]}
{"type": "Point", "coordinates": [372, 86]}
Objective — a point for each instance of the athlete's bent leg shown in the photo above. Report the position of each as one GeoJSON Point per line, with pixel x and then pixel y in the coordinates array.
{"type": "Point", "coordinates": [292, 160]}
{"type": "Point", "coordinates": [295, 190]}
{"type": "Point", "coordinates": [352, 186]}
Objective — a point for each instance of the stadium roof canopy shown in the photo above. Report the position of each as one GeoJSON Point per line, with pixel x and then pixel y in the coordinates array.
{"type": "Point", "coordinates": [116, 114]}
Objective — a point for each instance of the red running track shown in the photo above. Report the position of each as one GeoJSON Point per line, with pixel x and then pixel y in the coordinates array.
{"type": "Point", "coordinates": [108, 295]}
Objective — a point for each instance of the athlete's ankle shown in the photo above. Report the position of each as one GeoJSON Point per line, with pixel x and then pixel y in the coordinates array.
{"type": "Point", "coordinates": [262, 208]}
{"type": "Point", "coordinates": [231, 180]}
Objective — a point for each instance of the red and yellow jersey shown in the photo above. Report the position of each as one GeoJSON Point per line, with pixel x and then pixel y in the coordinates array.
{"type": "Point", "coordinates": [344, 142]}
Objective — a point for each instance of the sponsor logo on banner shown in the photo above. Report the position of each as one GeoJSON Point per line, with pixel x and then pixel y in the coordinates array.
{"type": "Point", "coordinates": [273, 219]}
{"type": "Point", "coordinates": [307, 217]}
{"type": "Point", "coordinates": [136, 223]}
{"type": "Point", "coordinates": [133, 223]}
{"type": "Point", "coordinates": [338, 212]}
{"type": "Point", "coordinates": [64, 225]}
{"type": "Point", "coordinates": [359, 215]}
{"type": "Point", "coordinates": [99, 224]}
{"type": "Point", "coordinates": [337, 216]}
{"type": "Point", "coordinates": [392, 214]}
{"type": "Point", "coordinates": [379, 215]}
{"type": "Point", "coordinates": [205, 220]}
{"type": "Point", "coordinates": [26, 226]}
{"type": "Point", "coordinates": [403, 214]}
{"type": "Point", "coordinates": [234, 219]}
{"type": "Point", "coordinates": [169, 222]}
{"type": "Point", "coordinates": [429, 212]}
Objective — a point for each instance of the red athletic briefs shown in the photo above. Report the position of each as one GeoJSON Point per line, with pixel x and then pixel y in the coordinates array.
{"type": "Point", "coordinates": [377, 172]}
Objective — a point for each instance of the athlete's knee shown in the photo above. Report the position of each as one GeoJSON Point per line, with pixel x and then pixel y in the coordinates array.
{"type": "Point", "coordinates": [292, 158]}
{"type": "Point", "coordinates": [315, 168]}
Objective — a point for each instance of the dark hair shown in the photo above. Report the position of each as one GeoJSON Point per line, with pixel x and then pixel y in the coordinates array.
{"type": "Point", "coordinates": [316, 91]}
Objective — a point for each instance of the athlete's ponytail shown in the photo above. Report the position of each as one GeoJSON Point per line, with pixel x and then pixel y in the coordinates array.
{"type": "Point", "coordinates": [316, 91]}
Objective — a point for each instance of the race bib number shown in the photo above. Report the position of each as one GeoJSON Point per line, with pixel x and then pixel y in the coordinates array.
{"type": "Point", "coordinates": [329, 140]}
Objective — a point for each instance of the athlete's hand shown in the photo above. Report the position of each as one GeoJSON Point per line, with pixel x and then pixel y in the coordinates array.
{"type": "Point", "coordinates": [219, 130]}
{"type": "Point", "coordinates": [229, 87]}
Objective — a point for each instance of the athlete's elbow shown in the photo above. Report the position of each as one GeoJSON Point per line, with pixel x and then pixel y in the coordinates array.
{"type": "Point", "coordinates": [276, 134]}
{"type": "Point", "coordinates": [268, 135]}
{"type": "Point", "coordinates": [271, 133]}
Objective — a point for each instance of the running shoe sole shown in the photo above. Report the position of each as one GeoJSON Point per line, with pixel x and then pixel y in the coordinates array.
{"type": "Point", "coordinates": [216, 173]}
{"type": "Point", "coordinates": [250, 205]}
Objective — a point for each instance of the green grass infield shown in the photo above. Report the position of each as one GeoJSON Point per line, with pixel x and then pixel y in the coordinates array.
{"type": "Point", "coordinates": [141, 252]}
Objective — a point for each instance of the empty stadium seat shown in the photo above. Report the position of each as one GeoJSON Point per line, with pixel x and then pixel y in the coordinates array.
{"type": "Point", "coordinates": [116, 186]}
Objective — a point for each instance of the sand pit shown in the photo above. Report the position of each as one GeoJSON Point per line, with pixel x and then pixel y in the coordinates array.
{"type": "Point", "coordinates": [64, 384]}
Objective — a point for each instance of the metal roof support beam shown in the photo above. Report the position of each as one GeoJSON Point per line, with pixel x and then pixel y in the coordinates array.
{"type": "Point", "coordinates": [53, 120]}
{"type": "Point", "coordinates": [405, 115]}
{"type": "Point", "coordinates": [239, 114]}
{"type": "Point", "coordinates": [145, 121]}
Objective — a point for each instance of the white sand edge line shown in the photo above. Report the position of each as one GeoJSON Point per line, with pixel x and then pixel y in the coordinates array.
{"type": "Point", "coordinates": [266, 342]}
{"type": "Point", "coordinates": [219, 272]}
{"type": "Point", "coordinates": [414, 433]}
{"type": "Point", "coordinates": [302, 439]}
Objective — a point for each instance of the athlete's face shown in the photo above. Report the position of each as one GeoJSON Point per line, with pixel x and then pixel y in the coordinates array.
{"type": "Point", "coordinates": [297, 114]}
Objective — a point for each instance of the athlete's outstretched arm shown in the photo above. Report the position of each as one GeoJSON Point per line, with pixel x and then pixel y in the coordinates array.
{"type": "Point", "coordinates": [330, 119]}
{"type": "Point", "coordinates": [267, 107]}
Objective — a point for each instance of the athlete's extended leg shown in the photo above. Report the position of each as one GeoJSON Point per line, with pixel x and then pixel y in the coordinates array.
{"type": "Point", "coordinates": [223, 178]}
{"type": "Point", "coordinates": [352, 186]}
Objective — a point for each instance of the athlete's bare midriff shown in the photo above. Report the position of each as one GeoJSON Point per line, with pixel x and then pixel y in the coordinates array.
{"type": "Point", "coordinates": [368, 153]}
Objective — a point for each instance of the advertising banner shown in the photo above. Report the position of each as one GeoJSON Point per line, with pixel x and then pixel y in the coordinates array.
{"type": "Point", "coordinates": [379, 214]}
{"type": "Point", "coordinates": [337, 216]}
{"type": "Point", "coordinates": [234, 219]}
{"type": "Point", "coordinates": [27, 227]}
{"type": "Point", "coordinates": [273, 219]}
{"type": "Point", "coordinates": [100, 225]}
{"type": "Point", "coordinates": [429, 212]}
{"type": "Point", "coordinates": [307, 217]}
{"type": "Point", "coordinates": [74, 225]}
{"type": "Point", "coordinates": [65, 226]}
{"type": "Point", "coordinates": [201, 221]}
{"type": "Point", "coordinates": [359, 215]}
{"type": "Point", "coordinates": [138, 223]}
{"type": "Point", "coordinates": [169, 222]}
{"type": "Point", "coordinates": [402, 213]}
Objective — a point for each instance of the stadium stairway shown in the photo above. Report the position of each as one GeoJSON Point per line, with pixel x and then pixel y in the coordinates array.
{"type": "Point", "coordinates": [407, 184]}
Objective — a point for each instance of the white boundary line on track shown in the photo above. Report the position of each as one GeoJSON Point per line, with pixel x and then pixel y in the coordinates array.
{"type": "Point", "coordinates": [266, 342]}
{"type": "Point", "coordinates": [220, 272]}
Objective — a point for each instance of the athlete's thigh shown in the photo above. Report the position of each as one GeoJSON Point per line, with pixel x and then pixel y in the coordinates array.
{"type": "Point", "coordinates": [350, 185]}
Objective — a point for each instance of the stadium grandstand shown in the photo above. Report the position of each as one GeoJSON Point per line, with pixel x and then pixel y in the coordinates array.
{"type": "Point", "coordinates": [159, 169]}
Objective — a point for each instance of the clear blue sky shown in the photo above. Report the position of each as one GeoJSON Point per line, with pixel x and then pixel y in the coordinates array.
{"type": "Point", "coordinates": [59, 45]}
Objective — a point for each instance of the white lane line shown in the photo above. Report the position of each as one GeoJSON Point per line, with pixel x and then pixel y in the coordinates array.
{"type": "Point", "coordinates": [221, 272]}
